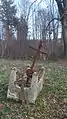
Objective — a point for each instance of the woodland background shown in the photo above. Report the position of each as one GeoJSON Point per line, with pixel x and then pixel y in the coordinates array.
{"type": "Point", "coordinates": [35, 22]}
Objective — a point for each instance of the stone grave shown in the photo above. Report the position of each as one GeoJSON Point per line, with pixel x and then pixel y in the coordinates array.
{"type": "Point", "coordinates": [26, 85]}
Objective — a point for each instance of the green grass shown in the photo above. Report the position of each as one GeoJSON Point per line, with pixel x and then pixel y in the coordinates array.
{"type": "Point", "coordinates": [51, 102]}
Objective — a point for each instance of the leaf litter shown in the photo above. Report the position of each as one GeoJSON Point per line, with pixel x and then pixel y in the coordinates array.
{"type": "Point", "coordinates": [51, 102]}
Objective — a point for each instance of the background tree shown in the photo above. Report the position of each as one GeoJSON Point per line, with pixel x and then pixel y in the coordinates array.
{"type": "Point", "coordinates": [7, 15]}
{"type": "Point", "coordinates": [22, 30]}
{"type": "Point", "coordinates": [62, 8]}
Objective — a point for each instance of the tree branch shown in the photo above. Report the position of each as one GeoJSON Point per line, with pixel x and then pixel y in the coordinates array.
{"type": "Point", "coordinates": [29, 9]}
{"type": "Point", "coordinates": [51, 21]}
{"type": "Point", "coordinates": [60, 7]}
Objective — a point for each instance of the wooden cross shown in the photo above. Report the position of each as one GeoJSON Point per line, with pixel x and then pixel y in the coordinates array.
{"type": "Point", "coordinates": [30, 70]}
{"type": "Point", "coordinates": [40, 51]}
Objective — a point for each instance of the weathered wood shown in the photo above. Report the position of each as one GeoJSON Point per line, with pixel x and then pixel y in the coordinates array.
{"type": "Point", "coordinates": [36, 86]}
{"type": "Point", "coordinates": [12, 93]}
{"type": "Point", "coordinates": [40, 51]}
{"type": "Point", "coordinates": [37, 50]}
{"type": "Point", "coordinates": [30, 70]}
{"type": "Point", "coordinates": [18, 91]}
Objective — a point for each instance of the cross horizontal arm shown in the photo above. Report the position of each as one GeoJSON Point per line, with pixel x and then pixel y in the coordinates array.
{"type": "Point", "coordinates": [37, 50]}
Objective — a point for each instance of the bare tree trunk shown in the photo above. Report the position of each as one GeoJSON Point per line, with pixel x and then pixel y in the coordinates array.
{"type": "Point", "coordinates": [8, 39]}
{"type": "Point", "coordinates": [62, 7]}
{"type": "Point", "coordinates": [64, 33]}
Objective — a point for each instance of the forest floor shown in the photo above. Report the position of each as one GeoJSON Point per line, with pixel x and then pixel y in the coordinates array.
{"type": "Point", "coordinates": [51, 102]}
